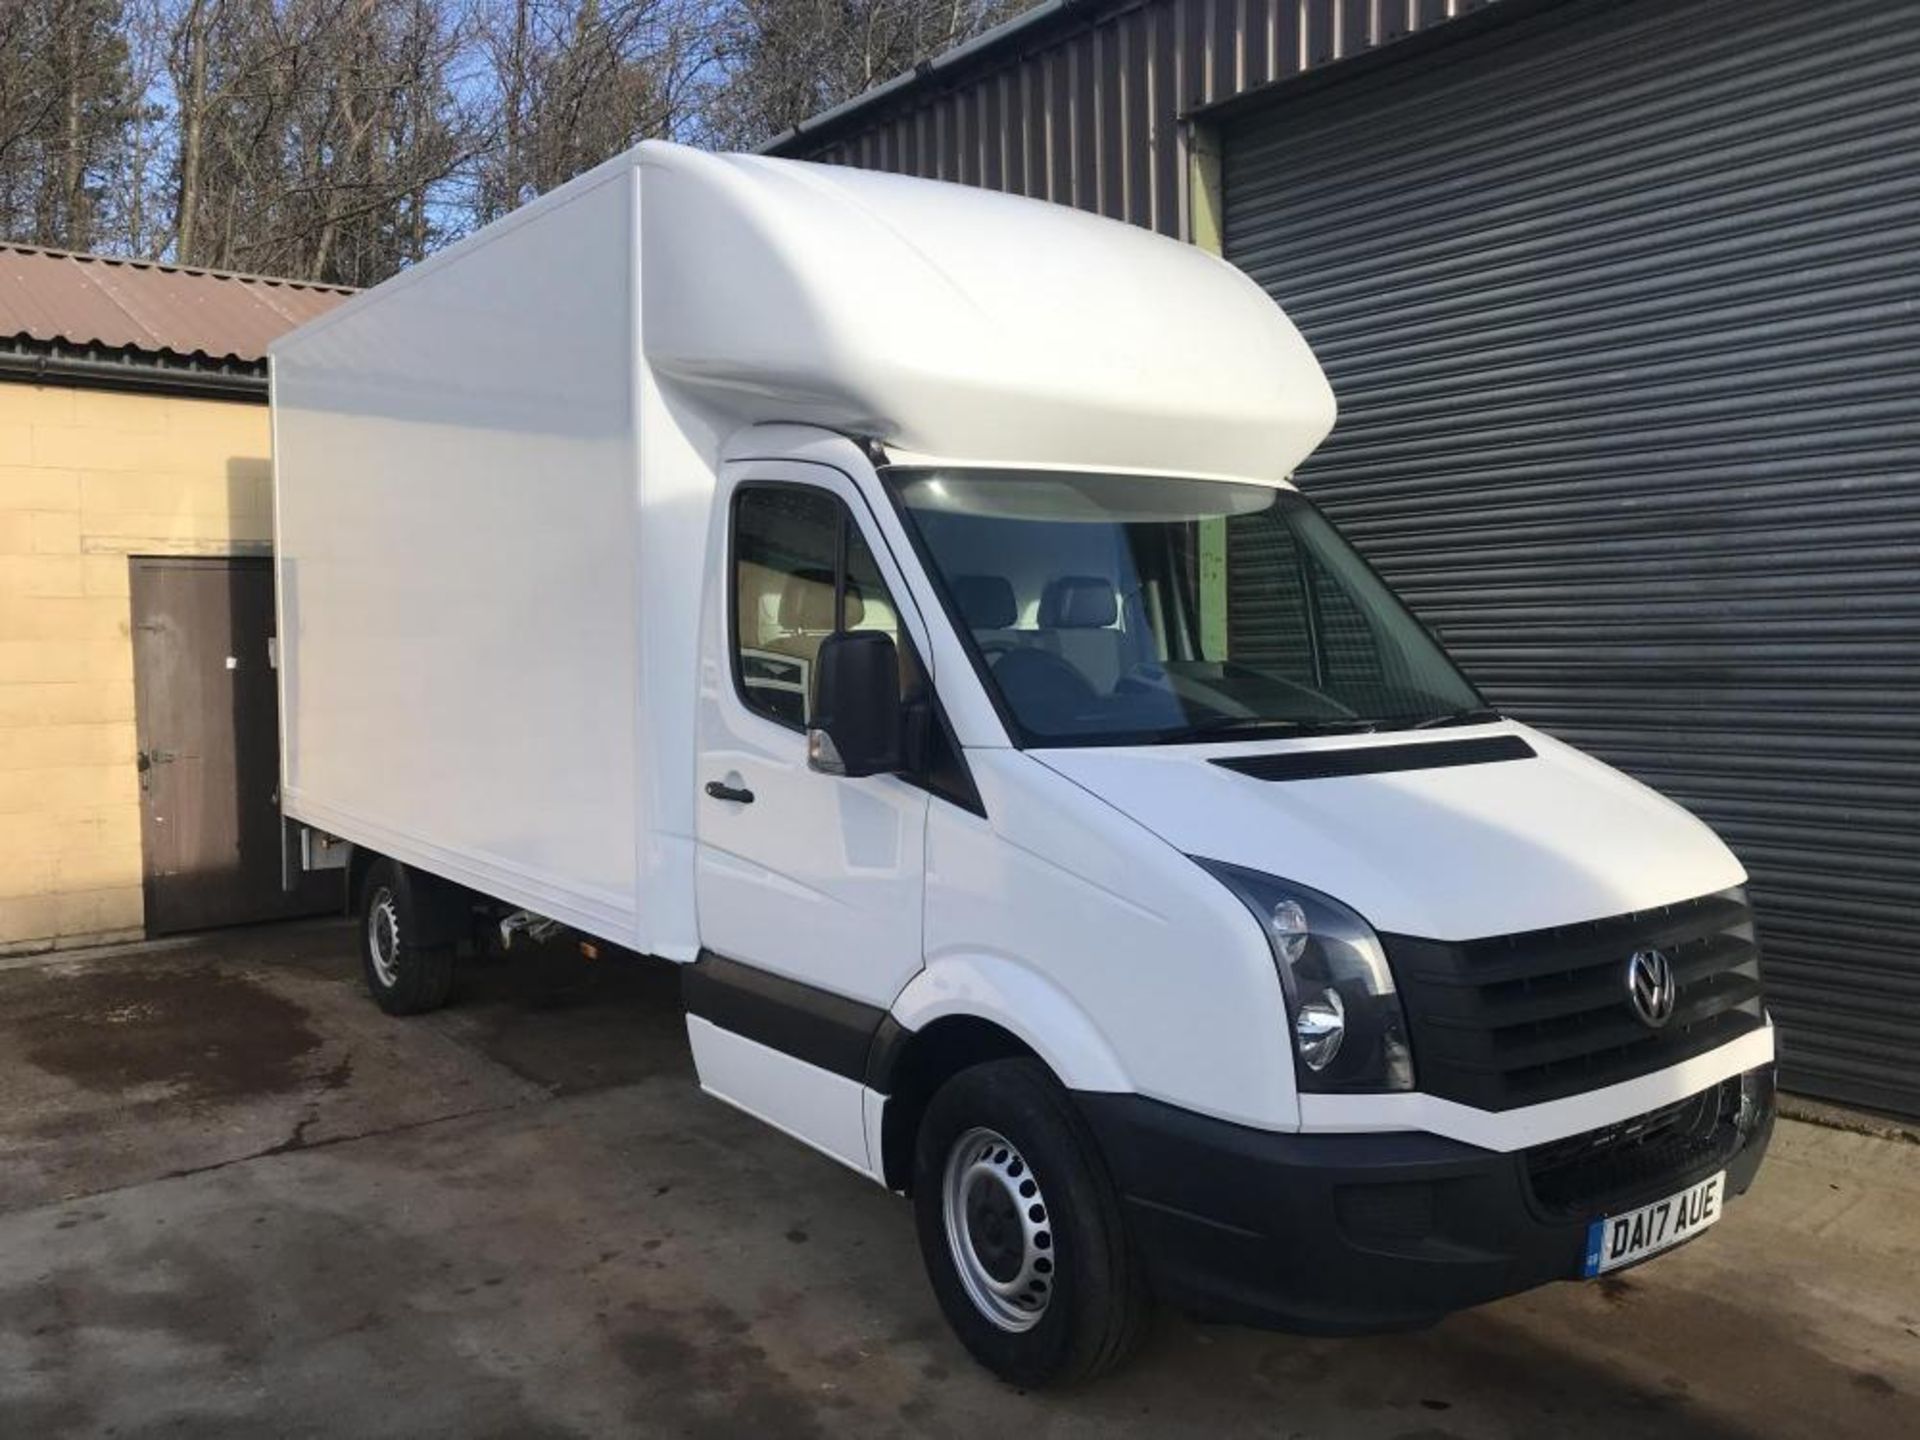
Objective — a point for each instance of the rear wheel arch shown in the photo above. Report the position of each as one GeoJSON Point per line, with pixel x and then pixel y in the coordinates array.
{"type": "Point", "coordinates": [408, 968]}
{"type": "Point", "coordinates": [360, 860]}
{"type": "Point", "coordinates": [441, 909]}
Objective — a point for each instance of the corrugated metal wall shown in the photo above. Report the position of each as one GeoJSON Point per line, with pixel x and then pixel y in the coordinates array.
{"type": "Point", "coordinates": [1085, 109]}
{"type": "Point", "coordinates": [1620, 304]}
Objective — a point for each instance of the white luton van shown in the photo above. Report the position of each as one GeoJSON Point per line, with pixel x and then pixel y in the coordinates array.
{"type": "Point", "coordinates": [887, 600]}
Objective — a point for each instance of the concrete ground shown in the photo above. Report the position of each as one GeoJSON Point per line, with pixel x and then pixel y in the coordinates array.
{"type": "Point", "coordinates": [235, 1199]}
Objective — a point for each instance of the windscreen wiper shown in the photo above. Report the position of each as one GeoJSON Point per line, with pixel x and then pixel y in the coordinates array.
{"type": "Point", "coordinates": [1479, 715]}
{"type": "Point", "coordinates": [1225, 724]}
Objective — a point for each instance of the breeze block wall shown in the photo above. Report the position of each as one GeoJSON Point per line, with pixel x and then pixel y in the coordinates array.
{"type": "Point", "coordinates": [87, 479]}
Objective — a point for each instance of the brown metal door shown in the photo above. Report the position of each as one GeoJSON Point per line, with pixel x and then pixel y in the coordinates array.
{"type": "Point", "coordinates": [207, 712]}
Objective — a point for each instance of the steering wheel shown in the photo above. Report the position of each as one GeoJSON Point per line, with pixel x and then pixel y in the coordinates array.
{"type": "Point", "coordinates": [1143, 677]}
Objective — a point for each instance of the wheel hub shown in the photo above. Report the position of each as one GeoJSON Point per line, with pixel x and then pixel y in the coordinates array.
{"type": "Point", "coordinates": [998, 1230]}
{"type": "Point", "coordinates": [383, 936]}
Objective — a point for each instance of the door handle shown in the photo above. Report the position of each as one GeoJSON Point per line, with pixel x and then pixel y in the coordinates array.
{"type": "Point", "coordinates": [720, 790]}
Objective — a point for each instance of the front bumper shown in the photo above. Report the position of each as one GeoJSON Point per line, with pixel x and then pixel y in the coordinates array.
{"type": "Point", "coordinates": [1331, 1233]}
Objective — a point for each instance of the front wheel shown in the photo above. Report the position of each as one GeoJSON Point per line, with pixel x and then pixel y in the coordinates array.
{"type": "Point", "coordinates": [404, 976]}
{"type": "Point", "coordinates": [1021, 1231]}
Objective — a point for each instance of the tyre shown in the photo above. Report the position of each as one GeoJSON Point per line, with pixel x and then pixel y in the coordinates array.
{"type": "Point", "coordinates": [403, 976]}
{"type": "Point", "coordinates": [1021, 1230]}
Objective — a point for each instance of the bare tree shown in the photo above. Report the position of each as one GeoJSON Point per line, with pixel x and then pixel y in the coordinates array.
{"type": "Point", "coordinates": [311, 137]}
{"type": "Point", "coordinates": [788, 60]}
{"type": "Point", "coordinates": [574, 82]}
{"type": "Point", "coordinates": [134, 210]}
{"type": "Point", "coordinates": [65, 102]}
{"type": "Point", "coordinates": [341, 140]}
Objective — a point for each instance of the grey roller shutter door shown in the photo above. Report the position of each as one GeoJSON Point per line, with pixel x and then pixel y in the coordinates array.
{"type": "Point", "coordinates": [1622, 305]}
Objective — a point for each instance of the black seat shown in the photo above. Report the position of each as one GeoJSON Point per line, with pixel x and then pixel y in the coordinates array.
{"type": "Point", "coordinates": [988, 608]}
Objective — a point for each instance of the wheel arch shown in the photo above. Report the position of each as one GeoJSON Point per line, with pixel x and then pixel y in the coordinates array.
{"type": "Point", "coordinates": [360, 860]}
{"type": "Point", "coordinates": [960, 1013]}
{"type": "Point", "coordinates": [439, 908]}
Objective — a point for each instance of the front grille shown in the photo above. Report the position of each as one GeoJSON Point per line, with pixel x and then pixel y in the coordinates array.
{"type": "Point", "coordinates": [1624, 1164]}
{"type": "Point", "coordinates": [1520, 1019]}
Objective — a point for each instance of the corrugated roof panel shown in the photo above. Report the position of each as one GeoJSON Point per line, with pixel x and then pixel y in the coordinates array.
{"type": "Point", "coordinates": [56, 296]}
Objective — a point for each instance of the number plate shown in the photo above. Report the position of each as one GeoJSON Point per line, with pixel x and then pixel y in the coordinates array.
{"type": "Point", "coordinates": [1618, 1240]}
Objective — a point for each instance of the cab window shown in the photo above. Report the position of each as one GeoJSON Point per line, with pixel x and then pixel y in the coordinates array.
{"type": "Point", "coordinates": [801, 572]}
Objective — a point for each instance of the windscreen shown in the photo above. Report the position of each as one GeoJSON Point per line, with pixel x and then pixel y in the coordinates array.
{"type": "Point", "coordinates": [1115, 609]}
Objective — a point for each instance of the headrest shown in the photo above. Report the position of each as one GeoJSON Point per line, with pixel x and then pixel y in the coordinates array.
{"type": "Point", "coordinates": [985, 601]}
{"type": "Point", "coordinates": [806, 602]}
{"type": "Point", "coordinates": [1079, 602]}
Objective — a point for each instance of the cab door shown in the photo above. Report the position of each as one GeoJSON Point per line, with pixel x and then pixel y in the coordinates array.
{"type": "Point", "coordinates": [809, 886]}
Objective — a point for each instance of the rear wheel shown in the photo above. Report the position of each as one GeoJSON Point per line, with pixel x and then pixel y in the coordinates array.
{"type": "Point", "coordinates": [403, 976]}
{"type": "Point", "coordinates": [1021, 1231]}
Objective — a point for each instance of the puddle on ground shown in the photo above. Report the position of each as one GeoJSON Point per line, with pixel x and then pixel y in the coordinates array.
{"type": "Point", "coordinates": [195, 1032]}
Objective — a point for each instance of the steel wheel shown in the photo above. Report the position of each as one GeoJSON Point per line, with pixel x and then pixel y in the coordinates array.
{"type": "Point", "coordinates": [383, 936]}
{"type": "Point", "coordinates": [998, 1230]}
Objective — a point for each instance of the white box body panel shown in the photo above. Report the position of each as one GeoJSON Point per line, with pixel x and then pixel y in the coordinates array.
{"type": "Point", "coordinates": [456, 530]}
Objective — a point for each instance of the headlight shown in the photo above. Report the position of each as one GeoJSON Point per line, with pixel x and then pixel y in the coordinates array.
{"type": "Point", "coordinates": [1348, 1030]}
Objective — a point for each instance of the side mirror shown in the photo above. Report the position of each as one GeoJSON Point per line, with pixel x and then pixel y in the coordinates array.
{"type": "Point", "coordinates": [856, 728]}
